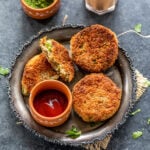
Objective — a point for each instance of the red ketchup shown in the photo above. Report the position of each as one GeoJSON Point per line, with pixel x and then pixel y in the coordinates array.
{"type": "Point", "coordinates": [50, 103]}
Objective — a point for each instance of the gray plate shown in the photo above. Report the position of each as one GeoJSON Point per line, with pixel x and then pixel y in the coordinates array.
{"type": "Point", "coordinates": [121, 73]}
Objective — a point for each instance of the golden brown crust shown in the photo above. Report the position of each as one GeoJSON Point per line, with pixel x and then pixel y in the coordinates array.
{"type": "Point", "coordinates": [37, 69]}
{"type": "Point", "coordinates": [59, 59]}
{"type": "Point", "coordinates": [94, 48]}
{"type": "Point", "coordinates": [96, 97]}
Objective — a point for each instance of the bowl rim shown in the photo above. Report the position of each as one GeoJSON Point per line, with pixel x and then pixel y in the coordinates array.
{"type": "Point", "coordinates": [40, 9]}
{"type": "Point", "coordinates": [69, 105]}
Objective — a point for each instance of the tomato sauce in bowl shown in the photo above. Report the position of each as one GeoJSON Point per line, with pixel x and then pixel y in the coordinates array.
{"type": "Point", "coordinates": [50, 103]}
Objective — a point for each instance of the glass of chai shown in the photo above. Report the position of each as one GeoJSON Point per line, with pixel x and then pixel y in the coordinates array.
{"type": "Point", "coordinates": [101, 7]}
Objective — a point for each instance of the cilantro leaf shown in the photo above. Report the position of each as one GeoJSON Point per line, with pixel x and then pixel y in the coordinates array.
{"type": "Point", "coordinates": [148, 121]}
{"type": "Point", "coordinates": [73, 132]}
{"type": "Point", "coordinates": [48, 45]}
{"type": "Point", "coordinates": [137, 134]}
{"type": "Point", "coordinates": [147, 83]}
{"type": "Point", "coordinates": [135, 112]}
{"type": "Point", "coordinates": [92, 124]}
{"type": "Point", "coordinates": [4, 71]}
{"type": "Point", "coordinates": [138, 27]}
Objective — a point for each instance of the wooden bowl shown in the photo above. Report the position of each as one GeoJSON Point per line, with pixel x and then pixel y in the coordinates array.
{"type": "Point", "coordinates": [50, 85]}
{"type": "Point", "coordinates": [41, 13]}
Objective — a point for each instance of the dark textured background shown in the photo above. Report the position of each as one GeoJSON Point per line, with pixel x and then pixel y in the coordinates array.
{"type": "Point", "coordinates": [16, 28]}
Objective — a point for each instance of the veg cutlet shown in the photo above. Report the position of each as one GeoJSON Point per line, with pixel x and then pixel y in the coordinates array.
{"type": "Point", "coordinates": [96, 97]}
{"type": "Point", "coordinates": [95, 48]}
{"type": "Point", "coordinates": [37, 69]}
{"type": "Point", "coordinates": [58, 56]}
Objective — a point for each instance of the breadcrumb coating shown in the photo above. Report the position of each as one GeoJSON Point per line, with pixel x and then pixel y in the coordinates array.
{"type": "Point", "coordinates": [96, 97]}
{"type": "Point", "coordinates": [37, 69]}
{"type": "Point", "coordinates": [58, 56]}
{"type": "Point", "coordinates": [95, 48]}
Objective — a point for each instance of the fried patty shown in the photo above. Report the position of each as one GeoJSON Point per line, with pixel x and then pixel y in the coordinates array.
{"type": "Point", "coordinates": [96, 97]}
{"type": "Point", "coordinates": [37, 69]}
{"type": "Point", "coordinates": [58, 56]}
{"type": "Point", "coordinates": [95, 48]}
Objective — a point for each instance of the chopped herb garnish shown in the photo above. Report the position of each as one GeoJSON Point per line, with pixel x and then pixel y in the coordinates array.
{"type": "Point", "coordinates": [48, 45]}
{"type": "Point", "coordinates": [147, 83]}
{"type": "Point", "coordinates": [73, 132]}
{"type": "Point", "coordinates": [4, 71]}
{"type": "Point", "coordinates": [138, 27]}
{"type": "Point", "coordinates": [137, 134]}
{"type": "Point", "coordinates": [39, 3]}
{"type": "Point", "coordinates": [92, 124]}
{"type": "Point", "coordinates": [148, 121]}
{"type": "Point", "coordinates": [135, 112]}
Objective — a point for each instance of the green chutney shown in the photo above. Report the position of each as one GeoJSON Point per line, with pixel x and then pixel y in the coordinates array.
{"type": "Point", "coordinates": [39, 3]}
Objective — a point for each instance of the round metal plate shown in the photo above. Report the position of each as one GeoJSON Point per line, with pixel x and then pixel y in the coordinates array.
{"type": "Point", "coordinates": [121, 73]}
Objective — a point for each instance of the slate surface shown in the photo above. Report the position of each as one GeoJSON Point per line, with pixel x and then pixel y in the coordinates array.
{"type": "Point", "coordinates": [16, 28]}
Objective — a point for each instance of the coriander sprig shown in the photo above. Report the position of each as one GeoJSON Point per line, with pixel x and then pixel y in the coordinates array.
{"type": "Point", "coordinates": [147, 83]}
{"type": "Point", "coordinates": [4, 71]}
{"type": "Point", "coordinates": [92, 124]}
{"type": "Point", "coordinates": [148, 121]}
{"type": "Point", "coordinates": [73, 132]}
{"type": "Point", "coordinates": [138, 27]}
{"type": "Point", "coordinates": [137, 134]}
{"type": "Point", "coordinates": [135, 112]}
